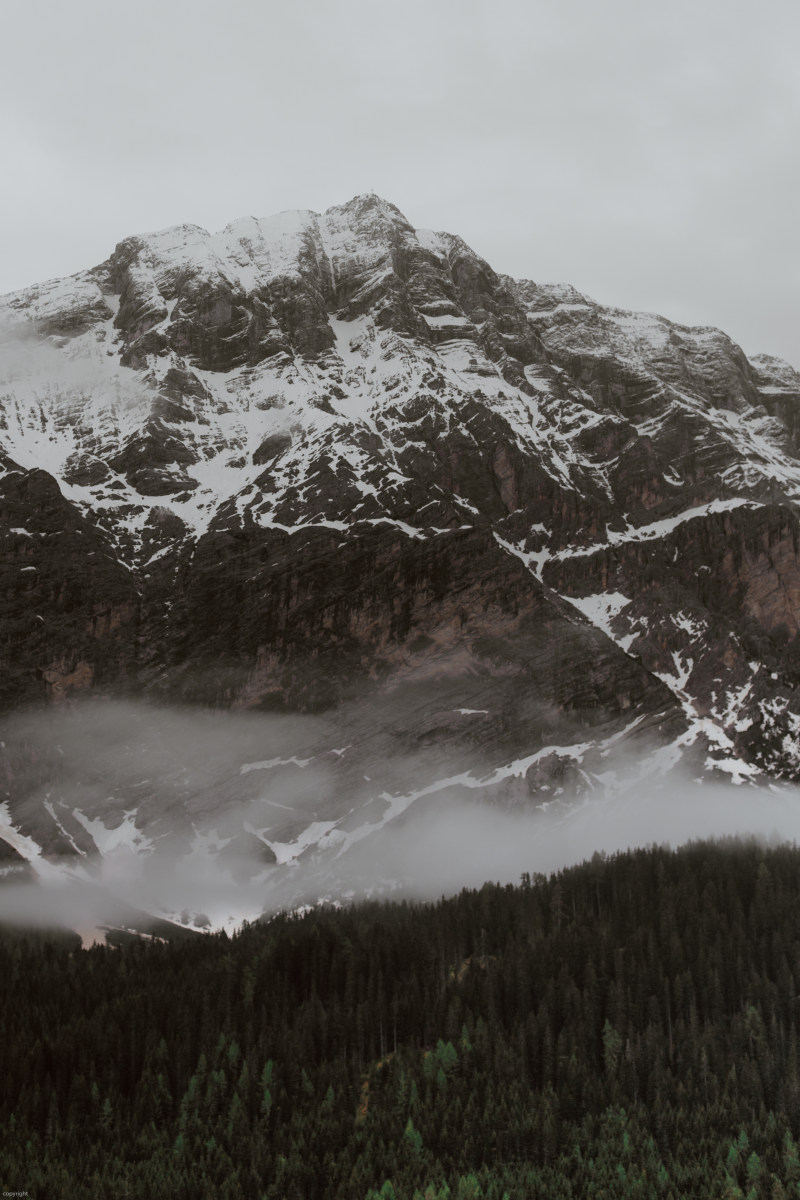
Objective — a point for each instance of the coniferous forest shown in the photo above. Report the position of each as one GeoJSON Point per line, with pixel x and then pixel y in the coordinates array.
{"type": "Point", "coordinates": [624, 1028]}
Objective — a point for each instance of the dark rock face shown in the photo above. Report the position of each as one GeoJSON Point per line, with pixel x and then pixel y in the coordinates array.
{"type": "Point", "coordinates": [741, 564]}
{"type": "Point", "coordinates": [272, 448]}
{"type": "Point", "coordinates": [332, 464]}
{"type": "Point", "coordinates": [70, 609]}
{"type": "Point", "coordinates": [269, 622]}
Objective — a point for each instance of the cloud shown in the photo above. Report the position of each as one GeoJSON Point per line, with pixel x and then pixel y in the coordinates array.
{"type": "Point", "coordinates": [215, 818]}
{"type": "Point", "coordinates": [45, 369]}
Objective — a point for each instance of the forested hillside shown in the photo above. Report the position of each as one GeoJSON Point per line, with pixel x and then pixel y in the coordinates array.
{"type": "Point", "coordinates": [627, 1027]}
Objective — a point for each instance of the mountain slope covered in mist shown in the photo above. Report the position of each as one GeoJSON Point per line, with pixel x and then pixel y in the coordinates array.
{"type": "Point", "coordinates": [488, 537]}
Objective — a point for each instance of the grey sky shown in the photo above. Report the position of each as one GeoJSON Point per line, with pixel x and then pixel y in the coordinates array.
{"type": "Point", "coordinates": [648, 154]}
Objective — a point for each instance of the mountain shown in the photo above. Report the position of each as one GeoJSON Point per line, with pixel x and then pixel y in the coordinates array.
{"type": "Point", "coordinates": [429, 530]}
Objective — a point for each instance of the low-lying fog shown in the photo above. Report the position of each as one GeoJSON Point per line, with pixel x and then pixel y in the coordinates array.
{"type": "Point", "coordinates": [213, 819]}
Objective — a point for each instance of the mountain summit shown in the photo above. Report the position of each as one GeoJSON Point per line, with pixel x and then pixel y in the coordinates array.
{"type": "Point", "coordinates": [330, 464]}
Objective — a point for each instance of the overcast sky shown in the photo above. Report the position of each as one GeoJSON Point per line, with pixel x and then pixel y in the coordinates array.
{"type": "Point", "coordinates": [647, 153]}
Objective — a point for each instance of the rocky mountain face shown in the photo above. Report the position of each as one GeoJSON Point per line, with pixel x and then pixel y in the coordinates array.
{"type": "Point", "coordinates": [331, 467]}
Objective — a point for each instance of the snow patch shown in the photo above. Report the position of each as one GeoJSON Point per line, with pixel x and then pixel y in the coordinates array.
{"type": "Point", "coordinates": [269, 763]}
{"type": "Point", "coordinates": [601, 609]}
{"type": "Point", "coordinates": [124, 836]}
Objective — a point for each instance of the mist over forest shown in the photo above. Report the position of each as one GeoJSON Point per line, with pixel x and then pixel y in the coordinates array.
{"type": "Point", "coordinates": [216, 818]}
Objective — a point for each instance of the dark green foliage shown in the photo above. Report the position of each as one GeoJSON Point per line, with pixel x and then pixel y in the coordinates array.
{"type": "Point", "coordinates": [627, 1028]}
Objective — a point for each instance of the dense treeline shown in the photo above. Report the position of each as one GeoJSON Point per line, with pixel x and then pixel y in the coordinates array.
{"type": "Point", "coordinates": [628, 1027]}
